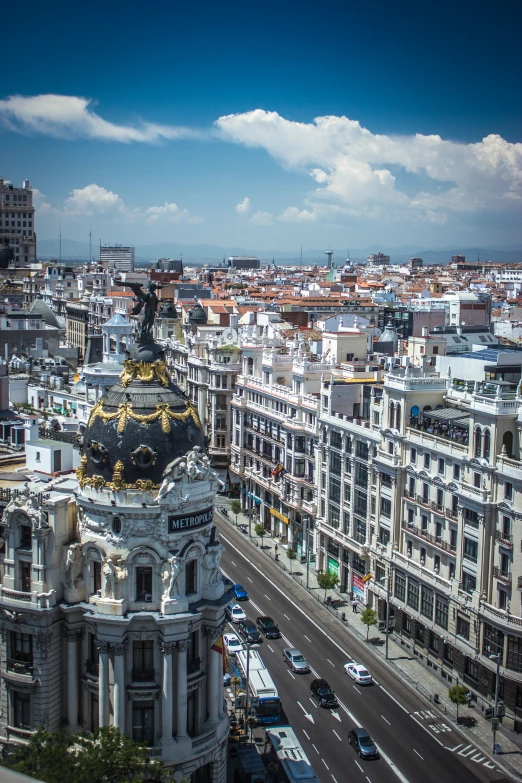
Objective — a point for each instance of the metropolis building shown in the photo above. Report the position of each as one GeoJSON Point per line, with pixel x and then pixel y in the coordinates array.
{"type": "Point", "coordinates": [111, 601]}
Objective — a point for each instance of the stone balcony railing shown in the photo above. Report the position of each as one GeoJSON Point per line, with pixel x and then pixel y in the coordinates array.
{"type": "Point", "coordinates": [502, 576]}
{"type": "Point", "coordinates": [436, 541]}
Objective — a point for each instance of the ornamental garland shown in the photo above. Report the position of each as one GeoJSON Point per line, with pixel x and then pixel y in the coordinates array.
{"type": "Point", "coordinates": [145, 372]}
{"type": "Point", "coordinates": [125, 412]}
{"type": "Point", "coordinates": [117, 483]}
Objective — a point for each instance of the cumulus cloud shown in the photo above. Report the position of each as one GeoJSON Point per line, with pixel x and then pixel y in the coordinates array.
{"type": "Point", "coordinates": [168, 213]}
{"type": "Point", "coordinates": [93, 200]}
{"type": "Point", "coordinates": [262, 219]}
{"type": "Point", "coordinates": [295, 215]}
{"type": "Point", "coordinates": [352, 166]}
{"type": "Point", "coordinates": [70, 116]}
{"type": "Point", "coordinates": [243, 208]}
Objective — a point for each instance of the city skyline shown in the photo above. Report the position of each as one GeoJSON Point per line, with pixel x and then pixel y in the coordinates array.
{"type": "Point", "coordinates": [374, 135]}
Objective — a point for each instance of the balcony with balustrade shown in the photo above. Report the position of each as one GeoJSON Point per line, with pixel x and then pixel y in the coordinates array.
{"type": "Point", "coordinates": [424, 535]}
{"type": "Point", "coordinates": [501, 575]}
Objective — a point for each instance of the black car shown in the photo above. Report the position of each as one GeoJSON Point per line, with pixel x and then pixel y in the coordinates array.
{"type": "Point", "coordinates": [322, 693]}
{"type": "Point", "coordinates": [364, 745]}
{"type": "Point", "coordinates": [267, 627]}
{"type": "Point", "coordinates": [249, 632]}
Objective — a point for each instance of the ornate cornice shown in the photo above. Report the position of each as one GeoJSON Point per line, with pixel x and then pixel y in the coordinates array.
{"type": "Point", "coordinates": [121, 648]}
{"type": "Point", "coordinates": [167, 647]}
{"type": "Point", "coordinates": [72, 634]}
{"type": "Point", "coordinates": [182, 645]}
{"type": "Point", "coordinates": [102, 646]}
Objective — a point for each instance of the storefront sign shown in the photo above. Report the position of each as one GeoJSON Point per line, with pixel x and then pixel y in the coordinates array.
{"type": "Point", "coordinates": [358, 587]}
{"type": "Point", "coordinates": [190, 521]}
{"type": "Point", "coordinates": [279, 516]}
{"type": "Point", "coordinates": [333, 566]}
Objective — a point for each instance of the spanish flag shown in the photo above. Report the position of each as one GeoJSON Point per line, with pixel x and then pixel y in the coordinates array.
{"type": "Point", "coordinates": [219, 647]}
{"type": "Point", "coordinates": [277, 470]}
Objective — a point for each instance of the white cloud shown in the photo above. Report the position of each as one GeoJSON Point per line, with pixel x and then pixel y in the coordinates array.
{"type": "Point", "coordinates": [243, 208]}
{"type": "Point", "coordinates": [70, 116]}
{"type": "Point", "coordinates": [262, 219]}
{"type": "Point", "coordinates": [295, 215]}
{"type": "Point", "coordinates": [92, 200]}
{"type": "Point", "coordinates": [40, 204]}
{"type": "Point", "coordinates": [352, 166]}
{"type": "Point", "coordinates": [169, 213]}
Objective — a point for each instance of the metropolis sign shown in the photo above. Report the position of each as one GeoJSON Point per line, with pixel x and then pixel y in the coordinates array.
{"type": "Point", "coordinates": [190, 521]}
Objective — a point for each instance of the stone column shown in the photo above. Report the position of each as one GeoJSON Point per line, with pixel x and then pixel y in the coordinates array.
{"type": "Point", "coordinates": [166, 692]}
{"type": "Point", "coordinates": [181, 701]}
{"type": "Point", "coordinates": [103, 683]}
{"type": "Point", "coordinates": [72, 636]}
{"type": "Point", "coordinates": [214, 675]}
{"type": "Point", "coordinates": [119, 685]}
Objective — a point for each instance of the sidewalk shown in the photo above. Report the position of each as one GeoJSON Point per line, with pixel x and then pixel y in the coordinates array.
{"type": "Point", "coordinates": [412, 666]}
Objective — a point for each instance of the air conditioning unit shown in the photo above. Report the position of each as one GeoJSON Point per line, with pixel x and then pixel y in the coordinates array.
{"type": "Point", "coordinates": [148, 598]}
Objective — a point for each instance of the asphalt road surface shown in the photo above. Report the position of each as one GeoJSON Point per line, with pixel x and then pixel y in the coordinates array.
{"type": "Point", "coordinates": [416, 744]}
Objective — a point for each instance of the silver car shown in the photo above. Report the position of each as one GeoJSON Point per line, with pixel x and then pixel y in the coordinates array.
{"type": "Point", "coordinates": [296, 660]}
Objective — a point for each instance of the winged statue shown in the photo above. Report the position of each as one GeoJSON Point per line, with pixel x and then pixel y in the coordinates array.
{"type": "Point", "coordinates": [147, 304]}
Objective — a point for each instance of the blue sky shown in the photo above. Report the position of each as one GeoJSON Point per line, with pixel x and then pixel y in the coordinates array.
{"type": "Point", "coordinates": [197, 123]}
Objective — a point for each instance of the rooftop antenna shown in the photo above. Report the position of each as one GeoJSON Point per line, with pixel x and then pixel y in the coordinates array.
{"type": "Point", "coordinates": [301, 257]}
{"type": "Point", "coordinates": [90, 247]}
{"type": "Point", "coordinates": [60, 251]}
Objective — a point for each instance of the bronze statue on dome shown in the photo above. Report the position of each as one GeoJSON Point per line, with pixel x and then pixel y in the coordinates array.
{"type": "Point", "coordinates": [147, 304]}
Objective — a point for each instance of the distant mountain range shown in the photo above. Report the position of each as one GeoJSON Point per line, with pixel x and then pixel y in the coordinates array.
{"type": "Point", "coordinates": [79, 251]}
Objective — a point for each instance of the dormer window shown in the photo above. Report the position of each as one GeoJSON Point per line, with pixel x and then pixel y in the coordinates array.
{"type": "Point", "coordinates": [26, 537]}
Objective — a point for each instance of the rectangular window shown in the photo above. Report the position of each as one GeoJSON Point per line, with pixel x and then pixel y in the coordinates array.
{"type": "Point", "coordinates": [508, 490]}
{"type": "Point", "coordinates": [335, 463]}
{"type": "Point", "coordinates": [385, 507]}
{"type": "Point", "coordinates": [456, 472]}
{"type": "Point", "coordinates": [25, 576]}
{"type": "Point", "coordinates": [26, 537]}
{"type": "Point", "coordinates": [360, 531]}
{"type": "Point", "coordinates": [333, 516]}
{"type": "Point", "coordinates": [470, 549]}
{"type": "Point", "coordinates": [427, 603]}
{"type": "Point", "coordinates": [413, 456]}
{"type": "Point", "coordinates": [448, 653]}
{"type": "Point", "coordinates": [361, 474]}
{"type": "Point", "coordinates": [191, 586]}
{"type": "Point", "coordinates": [400, 586]}
{"type": "Point", "coordinates": [469, 582]}
{"type": "Point", "coordinates": [407, 625]}
{"type": "Point", "coordinates": [441, 612]}
{"type": "Point", "coordinates": [427, 460]}
{"type": "Point", "coordinates": [441, 466]}
{"type": "Point", "coordinates": [21, 658]}
{"type": "Point", "coordinates": [22, 710]}
{"type": "Point", "coordinates": [472, 669]}
{"type": "Point", "coordinates": [472, 518]}
{"type": "Point", "coordinates": [347, 493]}
{"type": "Point", "coordinates": [361, 450]}
{"type": "Point", "coordinates": [143, 660]}
{"type": "Point", "coordinates": [462, 627]}
{"type": "Point", "coordinates": [413, 594]}
{"type": "Point", "coordinates": [433, 642]}
{"type": "Point", "coordinates": [492, 641]}
{"type": "Point", "coordinates": [514, 653]}
{"type": "Point", "coordinates": [336, 440]}
{"type": "Point", "coordinates": [144, 584]}
{"type": "Point", "coordinates": [143, 722]}
{"type": "Point", "coordinates": [335, 490]}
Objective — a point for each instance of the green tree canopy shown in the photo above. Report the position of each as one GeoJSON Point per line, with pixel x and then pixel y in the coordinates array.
{"type": "Point", "coordinates": [291, 555]}
{"type": "Point", "coordinates": [369, 618]}
{"type": "Point", "coordinates": [107, 757]}
{"type": "Point", "coordinates": [458, 694]}
{"type": "Point", "coordinates": [235, 508]}
{"type": "Point", "coordinates": [327, 581]}
{"type": "Point", "coordinates": [260, 530]}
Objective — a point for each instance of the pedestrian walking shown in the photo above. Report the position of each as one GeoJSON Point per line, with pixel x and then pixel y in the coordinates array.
{"type": "Point", "coordinates": [354, 606]}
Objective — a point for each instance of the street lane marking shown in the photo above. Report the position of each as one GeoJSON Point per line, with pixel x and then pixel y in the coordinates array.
{"type": "Point", "coordinates": [313, 746]}
{"type": "Point", "coordinates": [336, 734]}
{"type": "Point", "coordinates": [290, 673]}
{"type": "Point", "coordinates": [334, 779]}
{"type": "Point", "coordinates": [309, 640]}
{"type": "Point", "coordinates": [233, 563]}
{"type": "Point", "coordinates": [356, 689]}
{"type": "Point", "coordinates": [395, 700]}
{"type": "Point", "coordinates": [306, 735]}
{"type": "Point", "coordinates": [287, 617]}
{"type": "Point", "coordinates": [387, 721]}
{"type": "Point", "coordinates": [359, 766]}
{"type": "Point", "coordinates": [267, 597]}
{"type": "Point", "coordinates": [418, 754]}
{"type": "Point", "coordinates": [426, 729]}
{"type": "Point", "coordinates": [289, 643]}
{"type": "Point", "coordinates": [425, 714]}
{"type": "Point", "coordinates": [329, 661]}
{"type": "Point", "coordinates": [335, 715]}
{"type": "Point", "coordinates": [368, 779]}
{"type": "Point", "coordinates": [249, 579]}
{"type": "Point", "coordinates": [313, 702]}
{"type": "Point", "coordinates": [270, 648]}
{"type": "Point", "coordinates": [306, 714]}
{"type": "Point", "coordinates": [314, 672]}
{"type": "Point", "coordinates": [326, 765]}
{"type": "Point", "coordinates": [478, 759]}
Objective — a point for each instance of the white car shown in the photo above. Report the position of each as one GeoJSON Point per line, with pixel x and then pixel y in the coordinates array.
{"type": "Point", "coordinates": [232, 643]}
{"type": "Point", "coordinates": [359, 673]}
{"type": "Point", "coordinates": [236, 613]}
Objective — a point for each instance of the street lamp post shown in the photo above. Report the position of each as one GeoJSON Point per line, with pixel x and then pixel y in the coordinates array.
{"type": "Point", "coordinates": [495, 717]}
{"type": "Point", "coordinates": [306, 522]}
{"type": "Point", "coordinates": [388, 590]}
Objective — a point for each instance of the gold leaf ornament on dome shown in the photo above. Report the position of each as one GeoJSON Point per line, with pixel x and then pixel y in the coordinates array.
{"type": "Point", "coordinates": [117, 483]}
{"type": "Point", "coordinates": [144, 372]}
{"type": "Point", "coordinates": [162, 412]}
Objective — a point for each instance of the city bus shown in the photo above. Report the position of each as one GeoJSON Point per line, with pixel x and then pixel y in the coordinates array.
{"type": "Point", "coordinates": [291, 755]}
{"type": "Point", "coordinates": [263, 698]}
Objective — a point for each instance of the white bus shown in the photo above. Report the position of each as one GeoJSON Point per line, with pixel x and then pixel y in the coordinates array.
{"type": "Point", "coordinates": [291, 756]}
{"type": "Point", "coordinates": [264, 699]}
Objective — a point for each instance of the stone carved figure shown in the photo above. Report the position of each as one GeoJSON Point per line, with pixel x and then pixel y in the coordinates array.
{"type": "Point", "coordinates": [147, 304]}
{"type": "Point", "coordinates": [194, 466]}
{"type": "Point", "coordinates": [171, 578]}
{"type": "Point", "coordinates": [73, 567]}
{"type": "Point", "coordinates": [211, 561]}
{"type": "Point", "coordinates": [112, 576]}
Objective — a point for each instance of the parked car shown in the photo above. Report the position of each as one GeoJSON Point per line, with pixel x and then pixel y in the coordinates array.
{"type": "Point", "coordinates": [267, 627]}
{"type": "Point", "coordinates": [226, 678]}
{"type": "Point", "coordinates": [322, 693]}
{"type": "Point", "coordinates": [232, 643]}
{"type": "Point", "coordinates": [249, 632]}
{"type": "Point", "coordinates": [364, 745]}
{"type": "Point", "coordinates": [243, 529]}
{"type": "Point", "coordinates": [359, 673]}
{"type": "Point", "coordinates": [296, 660]}
{"type": "Point", "coordinates": [235, 613]}
{"type": "Point", "coordinates": [240, 594]}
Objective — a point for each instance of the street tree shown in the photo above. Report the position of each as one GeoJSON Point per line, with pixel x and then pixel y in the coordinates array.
{"type": "Point", "coordinates": [327, 581]}
{"type": "Point", "coordinates": [235, 508]}
{"type": "Point", "coordinates": [260, 530]}
{"type": "Point", "coordinates": [291, 555]}
{"type": "Point", "coordinates": [369, 618]}
{"type": "Point", "coordinates": [458, 694]}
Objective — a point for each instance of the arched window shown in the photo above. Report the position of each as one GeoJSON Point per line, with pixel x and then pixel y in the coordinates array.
{"type": "Point", "coordinates": [391, 415]}
{"type": "Point", "coordinates": [398, 417]}
{"type": "Point", "coordinates": [507, 441]}
{"type": "Point", "coordinates": [486, 444]}
{"type": "Point", "coordinates": [478, 442]}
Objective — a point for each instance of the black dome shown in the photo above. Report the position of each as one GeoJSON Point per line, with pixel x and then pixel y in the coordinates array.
{"type": "Point", "coordinates": [197, 315]}
{"type": "Point", "coordinates": [142, 424]}
{"type": "Point", "coordinates": [168, 310]}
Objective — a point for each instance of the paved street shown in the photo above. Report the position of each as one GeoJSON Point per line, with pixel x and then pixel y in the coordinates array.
{"type": "Point", "coordinates": [416, 744]}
